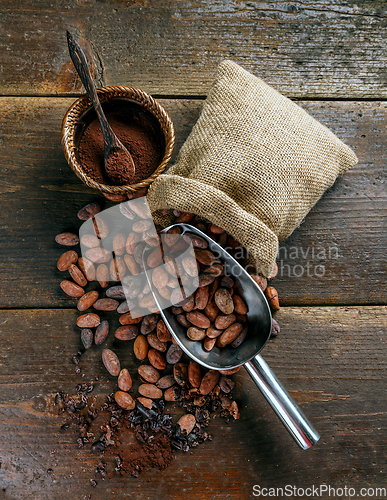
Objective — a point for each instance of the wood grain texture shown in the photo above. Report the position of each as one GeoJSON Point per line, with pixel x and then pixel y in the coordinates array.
{"type": "Point", "coordinates": [330, 359]}
{"type": "Point", "coordinates": [344, 237]}
{"type": "Point", "coordinates": [304, 49]}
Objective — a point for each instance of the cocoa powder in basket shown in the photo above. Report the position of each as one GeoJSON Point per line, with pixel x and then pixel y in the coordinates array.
{"type": "Point", "coordinates": [137, 136]}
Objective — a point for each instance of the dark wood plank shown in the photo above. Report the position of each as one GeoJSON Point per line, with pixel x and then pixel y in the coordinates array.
{"type": "Point", "coordinates": [41, 197]}
{"type": "Point", "coordinates": [305, 49]}
{"type": "Point", "coordinates": [332, 360]}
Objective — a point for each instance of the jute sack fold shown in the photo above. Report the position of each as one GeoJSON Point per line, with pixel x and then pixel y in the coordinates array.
{"type": "Point", "coordinates": [255, 164]}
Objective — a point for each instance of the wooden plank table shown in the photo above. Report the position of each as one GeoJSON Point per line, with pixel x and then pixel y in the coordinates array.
{"type": "Point", "coordinates": [331, 353]}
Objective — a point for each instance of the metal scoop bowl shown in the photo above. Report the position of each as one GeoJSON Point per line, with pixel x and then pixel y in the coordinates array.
{"type": "Point", "coordinates": [259, 323]}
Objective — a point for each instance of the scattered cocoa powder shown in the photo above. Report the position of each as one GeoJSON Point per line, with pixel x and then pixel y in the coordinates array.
{"type": "Point", "coordinates": [137, 135]}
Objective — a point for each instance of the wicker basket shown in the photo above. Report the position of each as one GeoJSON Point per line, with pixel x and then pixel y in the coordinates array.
{"type": "Point", "coordinates": [70, 126]}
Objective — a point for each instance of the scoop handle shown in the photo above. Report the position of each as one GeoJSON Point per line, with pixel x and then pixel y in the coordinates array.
{"type": "Point", "coordinates": [280, 400]}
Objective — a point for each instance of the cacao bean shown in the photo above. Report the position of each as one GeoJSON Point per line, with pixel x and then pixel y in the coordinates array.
{"type": "Point", "coordinates": [226, 384]}
{"type": "Point", "coordinates": [165, 293]}
{"type": "Point", "coordinates": [124, 400]}
{"type": "Point", "coordinates": [194, 374]}
{"type": "Point", "coordinates": [131, 242]}
{"type": "Point", "coordinates": [180, 373]}
{"type": "Point", "coordinates": [171, 237]}
{"type": "Point", "coordinates": [127, 332]}
{"type": "Point", "coordinates": [171, 394]}
{"type": "Point", "coordinates": [100, 227]}
{"type": "Point", "coordinates": [160, 277]}
{"type": "Point", "coordinates": [216, 229]}
{"type": "Point", "coordinates": [156, 359]}
{"type": "Point", "coordinates": [66, 259]}
{"type": "Point", "coordinates": [166, 382]}
{"type": "Point", "coordinates": [163, 334]}
{"type": "Point", "coordinates": [90, 241]}
{"type": "Point", "coordinates": [178, 297]}
{"type": "Point", "coordinates": [141, 226]}
{"type": "Point", "coordinates": [241, 337]}
{"type": "Point", "coordinates": [140, 347]}
{"type": "Point", "coordinates": [77, 275]}
{"type": "Point", "coordinates": [205, 279]}
{"type": "Point", "coordinates": [196, 241]}
{"type": "Point", "coordinates": [224, 300]}
{"type": "Point", "coordinates": [190, 266]}
{"type": "Point", "coordinates": [71, 289]}
{"type": "Point", "coordinates": [154, 342]}
{"type": "Point", "coordinates": [131, 264]}
{"type": "Point", "coordinates": [127, 319]}
{"type": "Point", "coordinates": [133, 286]}
{"type": "Point", "coordinates": [275, 328]}
{"type": "Point", "coordinates": [174, 354]}
{"type": "Point", "coordinates": [183, 320]}
{"type": "Point", "coordinates": [195, 333]}
{"type": "Point", "coordinates": [89, 211]}
{"type": "Point", "coordinates": [212, 332]}
{"type": "Point", "coordinates": [89, 320]}
{"type": "Point", "coordinates": [272, 298]}
{"type": "Point", "coordinates": [105, 305]}
{"type": "Point", "coordinates": [67, 239]}
{"type": "Point", "coordinates": [170, 265]}
{"type": "Point", "coordinates": [115, 197]}
{"type": "Point", "coordinates": [240, 306]}
{"type": "Point", "coordinates": [127, 211]}
{"type": "Point", "coordinates": [209, 344]}
{"type": "Point", "coordinates": [98, 255]}
{"type": "Point", "coordinates": [149, 323]}
{"type": "Point", "coordinates": [111, 362]}
{"type": "Point", "coordinates": [87, 267]}
{"type": "Point", "coordinates": [224, 321]}
{"type": "Point", "coordinates": [117, 269]}
{"type": "Point", "coordinates": [124, 380]}
{"type": "Point", "coordinates": [212, 289]}
{"type": "Point", "coordinates": [274, 272]}
{"type": "Point", "coordinates": [260, 281]}
{"type": "Point", "coordinates": [148, 373]}
{"type": "Point", "coordinates": [206, 257]}
{"type": "Point", "coordinates": [198, 319]}
{"type": "Point", "coordinates": [215, 270]}
{"type": "Point", "coordinates": [140, 208]}
{"type": "Point", "coordinates": [230, 371]}
{"type": "Point", "coordinates": [115, 292]}
{"type": "Point", "coordinates": [211, 311]}
{"type": "Point", "coordinates": [101, 332]}
{"type": "Point", "coordinates": [102, 275]}
{"type": "Point", "coordinates": [186, 423]}
{"type": "Point", "coordinates": [150, 391]}
{"type": "Point", "coordinates": [87, 300]}
{"type": "Point", "coordinates": [87, 338]}
{"type": "Point", "coordinates": [148, 403]}
{"type": "Point", "coordinates": [229, 335]}
{"type": "Point", "coordinates": [209, 381]}
{"type": "Point", "coordinates": [155, 258]}
{"type": "Point", "coordinates": [190, 304]}
{"type": "Point", "coordinates": [147, 302]}
{"type": "Point", "coordinates": [201, 298]}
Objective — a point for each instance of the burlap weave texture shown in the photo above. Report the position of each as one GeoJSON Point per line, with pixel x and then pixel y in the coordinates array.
{"type": "Point", "coordinates": [255, 164]}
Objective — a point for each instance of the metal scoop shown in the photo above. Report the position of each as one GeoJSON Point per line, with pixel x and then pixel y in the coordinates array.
{"type": "Point", "coordinates": [259, 324]}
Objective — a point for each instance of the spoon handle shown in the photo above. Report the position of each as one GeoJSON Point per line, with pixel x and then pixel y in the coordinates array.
{"type": "Point", "coordinates": [82, 67]}
{"type": "Point", "coordinates": [280, 400]}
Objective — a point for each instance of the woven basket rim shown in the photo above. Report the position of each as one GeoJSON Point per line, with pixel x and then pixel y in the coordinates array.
{"type": "Point", "coordinates": [83, 103]}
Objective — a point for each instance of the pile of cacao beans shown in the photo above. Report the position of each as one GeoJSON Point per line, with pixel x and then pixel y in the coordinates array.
{"type": "Point", "coordinates": [215, 314]}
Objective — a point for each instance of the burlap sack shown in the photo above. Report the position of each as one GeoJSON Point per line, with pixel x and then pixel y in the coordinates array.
{"type": "Point", "coordinates": [255, 163]}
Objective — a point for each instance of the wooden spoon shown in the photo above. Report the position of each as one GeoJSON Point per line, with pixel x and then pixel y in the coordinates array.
{"type": "Point", "coordinates": [118, 162]}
